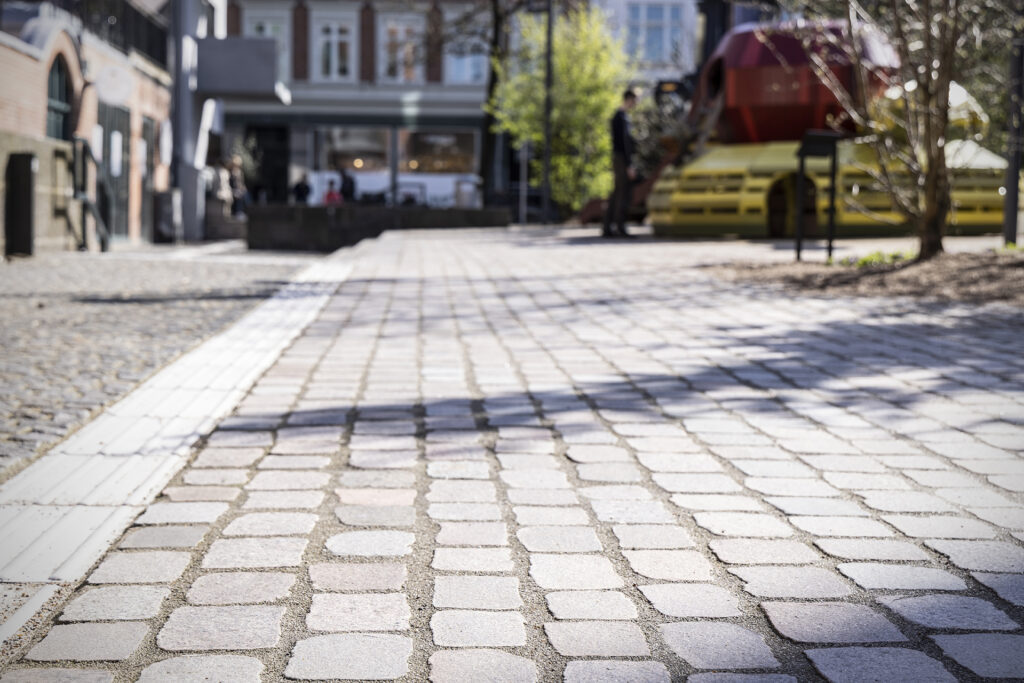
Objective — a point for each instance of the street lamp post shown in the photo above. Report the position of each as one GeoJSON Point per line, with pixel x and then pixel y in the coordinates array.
{"type": "Point", "coordinates": [548, 78]}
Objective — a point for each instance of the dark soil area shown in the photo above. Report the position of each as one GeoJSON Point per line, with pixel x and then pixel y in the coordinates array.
{"type": "Point", "coordinates": [979, 278]}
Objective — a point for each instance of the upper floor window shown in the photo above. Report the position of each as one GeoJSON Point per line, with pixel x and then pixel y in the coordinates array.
{"type": "Point", "coordinates": [335, 51]}
{"type": "Point", "coordinates": [654, 31]}
{"type": "Point", "coordinates": [467, 66]}
{"type": "Point", "coordinates": [58, 101]}
{"type": "Point", "coordinates": [401, 41]}
{"type": "Point", "coordinates": [276, 25]}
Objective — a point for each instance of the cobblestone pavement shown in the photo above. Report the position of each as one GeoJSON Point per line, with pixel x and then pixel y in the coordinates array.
{"type": "Point", "coordinates": [495, 458]}
{"type": "Point", "coordinates": [80, 330]}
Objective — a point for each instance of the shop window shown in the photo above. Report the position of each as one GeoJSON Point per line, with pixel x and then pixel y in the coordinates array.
{"type": "Point", "coordinates": [437, 151]}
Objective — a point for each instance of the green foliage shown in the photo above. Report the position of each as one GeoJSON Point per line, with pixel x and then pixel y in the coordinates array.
{"type": "Point", "coordinates": [590, 71]}
{"type": "Point", "coordinates": [878, 258]}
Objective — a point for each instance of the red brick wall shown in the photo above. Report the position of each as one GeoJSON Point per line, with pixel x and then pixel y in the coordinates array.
{"type": "Point", "coordinates": [234, 19]}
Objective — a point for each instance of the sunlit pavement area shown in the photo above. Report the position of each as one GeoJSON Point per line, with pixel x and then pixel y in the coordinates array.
{"type": "Point", "coordinates": [525, 455]}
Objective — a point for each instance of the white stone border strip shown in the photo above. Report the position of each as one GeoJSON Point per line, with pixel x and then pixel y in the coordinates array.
{"type": "Point", "coordinates": [60, 514]}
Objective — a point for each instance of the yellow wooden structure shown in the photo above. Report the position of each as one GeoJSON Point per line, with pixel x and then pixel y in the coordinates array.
{"type": "Point", "coordinates": [749, 190]}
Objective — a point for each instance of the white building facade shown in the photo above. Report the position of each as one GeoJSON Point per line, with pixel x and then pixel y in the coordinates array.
{"type": "Point", "coordinates": [662, 36]}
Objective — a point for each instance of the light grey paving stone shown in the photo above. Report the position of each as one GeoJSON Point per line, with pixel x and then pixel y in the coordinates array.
{"type": "Point", "coordinates": [632, 511]}
{"type": "Point", "coordinates": [609, 472]}
{"type": "Point", "coordinates": [474, 628]}
{"type": "Point", "coordinates": [384, 479]}
{"type": "Point", "coordinates": [593, 605]}
{"type": "Point", "coordinates": [774, 468]}
{"type": "Point", "coordinates": [913, 462]}
{"type": "Point", "coordinates": [762, 551]}
{"type": "Point", "coordinates": [716, 502]}
{"type": "Point", "coordinates": [597, 639]}
{"type": "Point", "coordinates": [238, 588]}
{"type": "Point", "coordinates": [255, 553]}
{"type": "Point", "coordinates": [855, 527]}
{"type": "Point", "coordinates": [461, 491]}
{"type": "Point", "coordinates": [284, 500]}
{"type": "Point", "coordinates": [612, 671]}
{"type": "Point", "coordinates": [661, 444]}
{"type": "Point", "coordinates": [975, 497]}
{"type": "Point", "coordinates": [559, 539]}
{"type": "Point", "coordinates": [990, 655]}
{"type": "Point", "coordinates": [198, 494]}
{"type": "Point", "coordinates": [376, 515]}
{"type": "Point", "coordinates": [350, 656]}
{"type": "Point", "coordinates": [573, 572]}
{"type": "Point", "coordinates": [221, 628]}
{"type": "Point", "coordinates": [524, 461]}
{"type": "Point", "coordinates": [901, 577]}
{"type": "Point", "coordinates": [743, 524]}
{"type": "Point", "coordinates": [692, 600]}
{"type": "Point", "coordinates": [988, 556]}
{"type": "Point", "coordinates": [372, 543]}
{"type": "Point", "coordinates": [871, 549]}
{"type": "Point", "coordinates": [358, 612]}
{"type": "Point", "coordinates": [802, 488]}
{"type": "Point", "coordinates": [542, 497]}
{"type": "Point", "coordinates": [958, 612]}
{"type": "Point", "coordinates": [294, 462]}
{"type": "Point", "coordinates": [687, 482]}
{"type": "Point", "coordinates": [1010, 482]}
{"type": "Point", "coordinates": [863, 481]}
{"type": "Point", "coordinates": [472, 559]}
{"type": "Point", "coordinates": [943, 479]}
{"type": "Point", "coordinates": [679, 462]}
{"type": "Point", "coordinates": [271, 524]}
{"type": "Point", "coordinates": [482, 666]}
{"type": "Point", "coordinates": [459, 470]}
{"type": "Point", "coordinates": [792, 582]}
{"type": "Point", "coordinates": [473, 533]}
{"type": "Point", "coordinates": [150, 566]}
{"type": "Point", "coordinates": [591, 453]}
{"type": "Point", "coordinates": [831, 622]}
{"type": "Point", "coordinates": [54, 675]}
{"type": "Point", "coordinates": [477, 592]}
{"type": "Point", "coordinates": [529, 515]}
{"type": "Point", "coordinates": [164, 537]}
{"type": "Point", "coordinates": [616, 492]}
{"type": "Point", "coordinates": [740, 678]}
{"type": "Point", "coordinates": [195, 668]}
{"type": "Point", "coordinates": [380, 442]}
{"type": "Point", "coordinates": [455, 451]}
{"type": "Point", "coordinates": [862, 664]}
{"type": "Point", "coordinates": [652, 536]}
{"type": "Point", "coordinates": [711, 645]}
{"type": "Point", "coordinates": [116, 603]}
{"type": "Point", "coordinates": [365, 576]}
{"type": "Point", "coordinates": [376, 496]}
{"type": "Point", "coordinates": [468, 512]}
{"type": "Point", "coordinates": [907, 501]}
{"type": "Point", "coordinates": [809, 505]}
{"type": "Point", "coordinates": [182, 513]}
{"type": "Point", "coordinates": [534, 479]}
{"type": "Point", "coordinates": [1009, 587]}
{"type": "Point", "coordinates": [669, 565]}
{"type": "Point", "coordinates": [215, 477]}
{"type": "Point", "coordinates": [228, 457]}
{"type": "Point", "coordinates": [239, 439]}
{"type": "Point", "coordinates": [844, 463]}
{"type": "Point", "coordinates": [940, 526]}
{"type": "Point", "coordinates": [89, 642]}
{"type": "Point", "coordinates": [282, 480]}
{"type": "Point", "coordinates": [1006, 518]}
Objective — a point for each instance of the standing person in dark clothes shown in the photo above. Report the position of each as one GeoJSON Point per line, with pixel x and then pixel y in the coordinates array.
{"type": "Point", "coordinates": [622, 166]}
{"type": "Point", "coordinates": [302, 190]}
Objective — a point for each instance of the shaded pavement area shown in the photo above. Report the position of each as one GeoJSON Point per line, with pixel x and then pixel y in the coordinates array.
{"type": "Point", "coordinates": [511, 456]}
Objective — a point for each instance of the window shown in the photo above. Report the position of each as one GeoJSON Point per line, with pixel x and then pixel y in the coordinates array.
{"type": "Point", "coordinates": [654, 32]}
{"type": "Point", "coordinates": [335, 46]}
{"type": "Point", "coordinates": [401, 42]}
{"type": "Point", "coordinates": [468, 67]}
{"type": "Point", "coordinates": [276, 25]}
{"type": "Point", "coordinates": [437, 151]}
{"type": "Point", "coordinates": [58, 101]}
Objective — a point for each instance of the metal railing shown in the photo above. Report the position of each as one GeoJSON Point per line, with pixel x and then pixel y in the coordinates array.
{"type": "Point", "coordinates": [83, 154]}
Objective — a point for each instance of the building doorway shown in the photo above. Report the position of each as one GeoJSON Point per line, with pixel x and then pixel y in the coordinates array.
{"type": "Point", "coordinates": [271, 185]}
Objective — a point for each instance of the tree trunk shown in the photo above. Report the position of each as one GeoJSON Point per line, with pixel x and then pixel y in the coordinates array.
{"type": "Point", "coordinates": [487, 135]}
{"type": "Point", "coordinates": [936, 210]}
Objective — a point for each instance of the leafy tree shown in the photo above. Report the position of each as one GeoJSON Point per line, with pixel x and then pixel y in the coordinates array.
{"type": "Point", "coordinates": [590, 70]}
{"type": "Point", "coordinates": [937, 43]}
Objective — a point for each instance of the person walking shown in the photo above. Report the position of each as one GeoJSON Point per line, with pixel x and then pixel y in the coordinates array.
{"type": "Point", "coordinates": [622, 166]}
